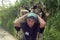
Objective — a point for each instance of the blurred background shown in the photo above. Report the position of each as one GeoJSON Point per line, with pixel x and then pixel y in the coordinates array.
{"type": "Point", "coordinates": [9, 10]}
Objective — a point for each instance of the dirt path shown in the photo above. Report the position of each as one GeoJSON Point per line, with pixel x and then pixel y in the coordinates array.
{"type": "Point", "coordinates": [4, 35]}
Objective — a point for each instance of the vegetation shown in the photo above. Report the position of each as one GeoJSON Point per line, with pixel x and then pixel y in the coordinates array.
{"type": "Point", "coordinates": [52, 30]}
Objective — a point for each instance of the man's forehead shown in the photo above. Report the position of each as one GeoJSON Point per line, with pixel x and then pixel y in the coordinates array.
{"type": "Point", "coordinates": [30, 19]}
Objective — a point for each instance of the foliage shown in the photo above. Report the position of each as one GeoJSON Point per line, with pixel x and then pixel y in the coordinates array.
{"type": "Point", "coordinates": [52, 29]}
{"type": "Point", "coordinates": [7, 16]}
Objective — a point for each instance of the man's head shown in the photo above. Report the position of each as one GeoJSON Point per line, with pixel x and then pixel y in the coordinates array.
{"type": "Point", "coordinates": [31, 19]}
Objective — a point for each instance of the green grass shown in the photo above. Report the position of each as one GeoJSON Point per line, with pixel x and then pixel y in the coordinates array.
{"type": "Point", "coordinates": [52, 30]}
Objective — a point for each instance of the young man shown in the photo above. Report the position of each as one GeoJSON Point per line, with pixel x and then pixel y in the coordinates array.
{"type": "Point", "coordinates": [31, 25]}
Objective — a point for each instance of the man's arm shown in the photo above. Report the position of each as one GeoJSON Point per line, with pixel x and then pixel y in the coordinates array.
{"type": "Point", "coordinates": [42, 22]}
{"type": "Point", "coordinates": [19, 20]}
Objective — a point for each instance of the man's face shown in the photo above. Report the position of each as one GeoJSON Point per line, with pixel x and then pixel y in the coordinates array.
{"type": "Point", "coordinates": [30, 22]}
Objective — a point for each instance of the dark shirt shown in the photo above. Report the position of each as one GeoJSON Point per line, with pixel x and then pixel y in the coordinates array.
{"type": "Point", "coordinates": [30, 33]}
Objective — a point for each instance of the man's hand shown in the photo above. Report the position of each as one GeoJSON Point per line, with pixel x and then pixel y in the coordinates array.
{"type": "Point", "coordinates": [42, 22]}
{"type": "Point", "coordinates": [19, 20]}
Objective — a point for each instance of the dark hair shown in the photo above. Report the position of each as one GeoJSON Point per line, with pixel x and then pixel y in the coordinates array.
{"type": "Point", "coordinates": [36, 19]}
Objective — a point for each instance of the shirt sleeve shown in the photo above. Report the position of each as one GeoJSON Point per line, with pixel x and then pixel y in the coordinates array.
{"type": "Point", "coordinates": [17, 28]}
{"type": "Point", "coordinates": [40, 30]}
